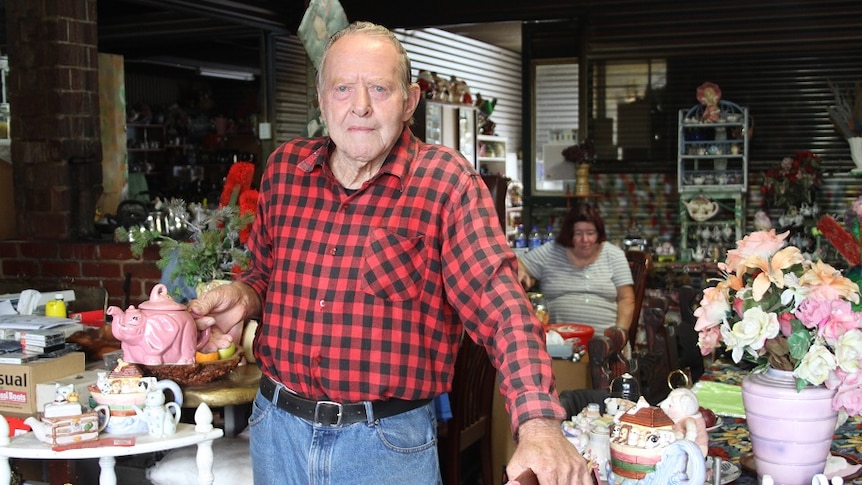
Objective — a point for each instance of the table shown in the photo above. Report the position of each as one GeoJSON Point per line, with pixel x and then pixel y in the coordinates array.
{"type": "Point", "coordinates": [731, 440]}
{"type": "Point", "coordinates": [235, 392]}
{"type": "Point", "coordinates": [202, 434]}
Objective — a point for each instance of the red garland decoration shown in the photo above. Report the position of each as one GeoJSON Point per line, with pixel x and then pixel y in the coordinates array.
{"type": "Point", "coordinates": [841, 239]}
{"type": "Point", "coordinates": [240, 175]}
{"type": "Point", "coordinates": [247, 203]}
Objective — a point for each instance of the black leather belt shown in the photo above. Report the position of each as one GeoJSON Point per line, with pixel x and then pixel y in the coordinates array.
{"type": "Point", "coordinates": [333, 413]}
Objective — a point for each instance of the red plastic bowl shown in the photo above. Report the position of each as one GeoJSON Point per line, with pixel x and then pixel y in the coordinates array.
{"type": "Point", "coordinates": [574, 330]}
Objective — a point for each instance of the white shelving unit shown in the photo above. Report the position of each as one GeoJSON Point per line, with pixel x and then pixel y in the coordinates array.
{"type": "Point", "coordinates": [491, 155]}
{"type": "Point", "coordinates": [712, 164]}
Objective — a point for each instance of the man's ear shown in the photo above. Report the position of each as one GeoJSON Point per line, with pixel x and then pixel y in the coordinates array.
{"type": "Point", "coordinates": [414, 94]}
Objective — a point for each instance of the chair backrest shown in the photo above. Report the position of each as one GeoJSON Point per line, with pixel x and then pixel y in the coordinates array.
{"type": "Point", "coordinates": [689, 353]}
{"type": "Point", "coordinates": [606, 354]}
{"type": "Point", "coordinates": [471, 401]}
{"type": "Point", "coordinates": [639, 264]}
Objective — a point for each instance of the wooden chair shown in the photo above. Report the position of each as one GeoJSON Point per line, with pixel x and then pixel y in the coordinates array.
{"type": "Point", "coordinates": [690, 357]}
{"type": "Point", "coordinates": [605, 352]}
{"type": "Point", "coordinates": [471, 402]}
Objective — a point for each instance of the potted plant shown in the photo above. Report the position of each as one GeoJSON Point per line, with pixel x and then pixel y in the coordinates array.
{"type": "Point", "coordinates": [214, 248]}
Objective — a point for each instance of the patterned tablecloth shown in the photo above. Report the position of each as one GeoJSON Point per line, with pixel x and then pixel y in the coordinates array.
{"type": "Point", "coordinates": [731, 440]}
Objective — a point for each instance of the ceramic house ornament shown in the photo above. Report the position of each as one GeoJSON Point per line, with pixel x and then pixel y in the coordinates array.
{"type": "Point", "coordinates": [645, 450]}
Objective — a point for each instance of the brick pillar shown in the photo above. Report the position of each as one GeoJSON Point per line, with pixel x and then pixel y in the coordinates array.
{"type": "Point", "coordinates": [53, 93]}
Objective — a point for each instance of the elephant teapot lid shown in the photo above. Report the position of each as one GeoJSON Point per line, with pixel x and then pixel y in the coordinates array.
{"type": "Point", "coordinates": [160, 299]}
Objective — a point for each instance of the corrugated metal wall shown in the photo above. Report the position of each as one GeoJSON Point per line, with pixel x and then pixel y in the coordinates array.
{"type": "Point", "coordinates": [774, 57]}
{"type": "Point", "coordinates": [291, 91]}
{"type": "Point", "coordinates": [489, 70]}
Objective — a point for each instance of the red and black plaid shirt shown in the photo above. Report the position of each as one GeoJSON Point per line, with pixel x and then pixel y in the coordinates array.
{"type": "Point", "coordinates": [363, 294]}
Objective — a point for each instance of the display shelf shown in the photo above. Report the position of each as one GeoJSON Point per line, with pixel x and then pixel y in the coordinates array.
{"type": "Point", "coordinates": [712, 169]}
{"type": "Point", "coordinates": [145, 146]}
{"type": "Point", "coordinates": [713, 156]}
{"type": "Point", "coordinates": [452, 125]}
{"type": "Point", "coordinates": [709, 239]}
{"type": "Point", "coordinates": [491, 155]}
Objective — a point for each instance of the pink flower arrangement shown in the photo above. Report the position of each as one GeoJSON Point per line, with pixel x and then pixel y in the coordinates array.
{"type": "Point", "coordinates": [776, 306]}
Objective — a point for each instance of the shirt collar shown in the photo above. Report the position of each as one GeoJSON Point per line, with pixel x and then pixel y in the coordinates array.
{"type": "Point", "coordinates": [397, 163]}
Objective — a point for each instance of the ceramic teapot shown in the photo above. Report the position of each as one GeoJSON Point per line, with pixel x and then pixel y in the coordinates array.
{"type": "Point", "coordinates": [159, 331]}
{"type": "Point", "coordinates": [645, 450]}
{"type": "Point", "coordinates": [124, 390]}
{"type": "Point", "coordinates": [70, 428]}
{"type": "Point", "coordinates": [161, 418]}
{"type": "Point", "coordinates": [701, 208]}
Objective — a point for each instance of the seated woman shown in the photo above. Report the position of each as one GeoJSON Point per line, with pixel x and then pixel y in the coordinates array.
{"type": "Point", "coordinates": [584, 278]}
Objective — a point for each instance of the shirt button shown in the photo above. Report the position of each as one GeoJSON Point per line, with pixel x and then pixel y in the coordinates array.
{"type": "Point", "coordinates": [322, 303]}
{"type": "Point", "coordinates": [334, 251]}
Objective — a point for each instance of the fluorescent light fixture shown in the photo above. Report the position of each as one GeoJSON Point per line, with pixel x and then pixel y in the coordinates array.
{"type": "Point", "coordinates": [226, 74]}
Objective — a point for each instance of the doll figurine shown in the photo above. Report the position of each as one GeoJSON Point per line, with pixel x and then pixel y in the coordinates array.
{"type": "Point", "coordinates": [683, 409]}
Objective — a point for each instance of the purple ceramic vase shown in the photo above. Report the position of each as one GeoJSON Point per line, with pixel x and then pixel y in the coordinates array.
{"type": "Point", "coordinates": [791, 432]}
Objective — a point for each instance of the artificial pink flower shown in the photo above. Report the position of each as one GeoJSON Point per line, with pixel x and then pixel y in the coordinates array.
{"type": "Point", "coordinates": [709, 339]}
{"type": "Point", "coordinates": [784, 319]}
{"type": "Point", "coordinates": [849, 395]}
{"type": "Point", "coordinates": [813, 313]}
{"type": "Point", "coordinates": [713, 308]}
{"type": "Point", "coordinates": [841, 319]}
{"type": "Point", "coordinates": [761, 243]}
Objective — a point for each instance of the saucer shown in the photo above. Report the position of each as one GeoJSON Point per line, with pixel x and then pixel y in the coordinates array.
{"type": "Point", "coordinates": [748, 464]}
{"type": "Point", "coordinates": [729, 471]}
{"type": "Point", "coordinates": [718, 423]}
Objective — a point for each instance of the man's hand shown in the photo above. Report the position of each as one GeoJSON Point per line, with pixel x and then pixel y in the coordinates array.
{"type": "Point", "coordinates": [543, 448]}
{"type": "Point", "coordinates": [225, 306]}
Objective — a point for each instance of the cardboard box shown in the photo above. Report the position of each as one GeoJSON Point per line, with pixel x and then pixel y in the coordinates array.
{"type": "Point", "coordinates": [45, 391]}
{"type": "Point", "coordinates": [18, 381]}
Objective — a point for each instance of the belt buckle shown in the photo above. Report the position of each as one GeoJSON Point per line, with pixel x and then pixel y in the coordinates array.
{"type": "Point", "coordinates": [320, 404]}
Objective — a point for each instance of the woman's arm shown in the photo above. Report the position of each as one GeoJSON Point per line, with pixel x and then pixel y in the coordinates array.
{"type": "Point", "coordinates": [625, 306]}
{"type": "Point", "coordinates": [527, 280]}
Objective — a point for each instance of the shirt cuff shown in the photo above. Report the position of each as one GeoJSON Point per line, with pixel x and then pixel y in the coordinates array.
{"type": "Point", "coordinates": [536, 405]}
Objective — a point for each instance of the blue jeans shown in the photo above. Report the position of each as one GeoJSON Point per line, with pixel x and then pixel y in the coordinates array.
{"type": "Point", "coordinates": [287, 450]}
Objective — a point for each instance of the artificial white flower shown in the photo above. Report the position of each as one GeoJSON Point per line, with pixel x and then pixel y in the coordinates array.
{"type": "Point", "coordinates": [848, 350]}
{"type": "Point", "coordinates": [816, 365]}
{"type": "Point", "coordinates": [750, 333]}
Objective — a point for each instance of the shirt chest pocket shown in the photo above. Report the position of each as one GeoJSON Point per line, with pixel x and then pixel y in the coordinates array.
{"type": "Point", "coordinates": [393, 265]}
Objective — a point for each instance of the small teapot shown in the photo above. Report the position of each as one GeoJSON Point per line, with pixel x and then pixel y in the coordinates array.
{"type": "Point", "coordinates": [701, 208]}
{"type": "Point", "coordinates": [66, 429]}
{"type": "Point", "coordinates": [159, 331]}
{"type": "Point", "coordinates": [161, 418]}
{"type": "Point", "coordinates": [698, 254]}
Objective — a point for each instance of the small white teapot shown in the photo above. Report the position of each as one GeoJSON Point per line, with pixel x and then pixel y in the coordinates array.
{"type": "Point", "coordinates": [161, 418]}
{"type": "Point", "coordinates": [701, 208]}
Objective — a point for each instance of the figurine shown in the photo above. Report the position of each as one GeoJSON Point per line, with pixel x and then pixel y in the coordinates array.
{"type": "Point", "coordinates": [762, 222]}
{"type": "Point", "coordinates": [709, 95]}
{"type": "Point", "coordinates": [682, 407]}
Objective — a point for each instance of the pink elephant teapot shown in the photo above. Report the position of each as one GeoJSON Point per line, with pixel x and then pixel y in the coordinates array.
{"type": "Point", "coordinates": [159, 331]}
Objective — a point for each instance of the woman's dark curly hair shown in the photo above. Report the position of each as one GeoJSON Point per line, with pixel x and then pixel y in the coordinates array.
{"type": "Point", "coordinates": [580, 213]}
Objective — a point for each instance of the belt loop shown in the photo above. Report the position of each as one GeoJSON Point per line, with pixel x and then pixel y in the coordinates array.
{"type": "Point", "coordinates": [276, 388]}
{"type": "Point", "coordinates": [369, 412]}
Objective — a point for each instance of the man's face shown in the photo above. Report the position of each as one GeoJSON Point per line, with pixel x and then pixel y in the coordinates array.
{"type": "Point", "coordinates": [361, 99]}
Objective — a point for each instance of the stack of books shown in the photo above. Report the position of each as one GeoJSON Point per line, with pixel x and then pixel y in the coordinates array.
{"type": "Point", "coordinates": [42, 341]}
